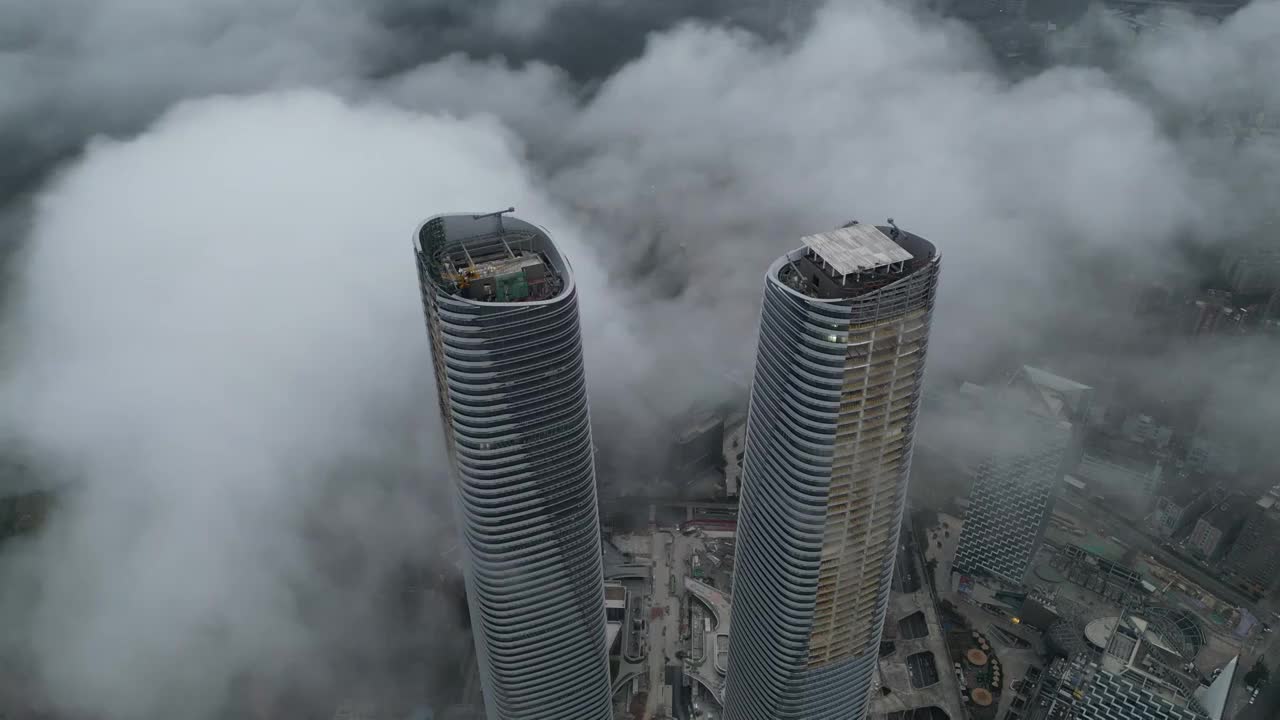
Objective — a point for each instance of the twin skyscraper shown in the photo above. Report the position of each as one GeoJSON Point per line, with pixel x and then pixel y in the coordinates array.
{"type": "Point", "coordinates": [837, 384]}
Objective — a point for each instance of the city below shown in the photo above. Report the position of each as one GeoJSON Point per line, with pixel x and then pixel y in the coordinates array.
{"type": "Point", "coordinates": [640, 360]}
{"type": "Point", "coordinates": [1081, 557]}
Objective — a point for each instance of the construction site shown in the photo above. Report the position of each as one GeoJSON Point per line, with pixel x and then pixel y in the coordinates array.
{"type": "Point", "coordinates": [512, 262]}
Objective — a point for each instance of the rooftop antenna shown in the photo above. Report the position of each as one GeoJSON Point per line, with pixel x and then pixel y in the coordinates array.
{"type": "Point", "coordinates": [895, 231]}
{"type": "Point", "coordinates": [497, 215]}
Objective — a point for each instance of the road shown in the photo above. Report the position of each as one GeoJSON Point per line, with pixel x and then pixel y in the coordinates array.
{"type": "Point", "coordinates": [1131, 535]}
{"type": "Point", "coordinates": [658, 627]}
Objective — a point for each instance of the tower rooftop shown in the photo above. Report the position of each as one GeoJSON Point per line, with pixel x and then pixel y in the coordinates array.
{"type": "Point", "coordinates": [856, 248]}
{"type": "Point", "coordinates": [853, 260]}
{"type": "Point", "coordinates": [491, 258]}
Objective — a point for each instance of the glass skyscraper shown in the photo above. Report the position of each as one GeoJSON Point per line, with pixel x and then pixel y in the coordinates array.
{"type": "Point", "coordinates": [843, 335]}
{"type": "Point", "coordinates": [502, 317]}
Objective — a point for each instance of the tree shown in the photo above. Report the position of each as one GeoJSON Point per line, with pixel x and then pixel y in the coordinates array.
{"type": "Point", "coordinates": [1258, 674]}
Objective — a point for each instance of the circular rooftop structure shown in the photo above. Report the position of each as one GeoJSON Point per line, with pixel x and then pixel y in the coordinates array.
{"type": "Point", "coordinates": [1174, 628]}
{"type": "Point", "coordinates": [1178, 628]}
{"type": "Point", "coordinates": [981, 697]}
{"type": "Point", "coordinates": [1050, 574]}
{"type": "Point", "coordinates": [1065, 638]}
{"type": "Point", "coordinates": [1098, 632]}
{"type": "Point", "coordinates": [976, 657]}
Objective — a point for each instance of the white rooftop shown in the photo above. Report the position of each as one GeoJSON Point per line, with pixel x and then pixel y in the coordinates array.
{"type": "Point", "coordinates": [856, 248]}
{"type": "Point", "coordinates": [1214, 697]}
{"type": "Point", "coordinates": [1099, 631]}
{"type": "Point", "coordinates": [611, 632]}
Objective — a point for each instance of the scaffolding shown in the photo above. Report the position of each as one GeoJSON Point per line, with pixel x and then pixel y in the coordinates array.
{"type": "Point", "coordinates": [499, 265]}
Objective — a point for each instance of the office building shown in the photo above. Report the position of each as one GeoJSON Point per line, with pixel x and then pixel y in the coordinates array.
{"type": "Point", "coordinates": [1028, 431]}
{"type": "Point", "coordinates": [843, 333]}
{"type": "Point", "coordinates": [1129, 473]}
{"type": "Point", "coordinates": [502, 318]}
{"type": "Point", "coordinates": [1252, 564]}
{"type": "Point", "coordinates": [1182, 501]}
{"type": "Point", "coordinates": [1217, 527]}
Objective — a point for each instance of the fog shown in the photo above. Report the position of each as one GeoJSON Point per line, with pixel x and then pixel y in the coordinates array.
{"type": "Point", "coordinates": [74, 68]}
{"type": "Point", "coordinates": [213, 330]}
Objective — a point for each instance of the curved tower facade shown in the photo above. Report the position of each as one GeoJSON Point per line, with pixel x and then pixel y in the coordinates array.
{"type": "Point", "coordinates": [502, 316]}
{"type": "Point", "coordinates": [843, 334]}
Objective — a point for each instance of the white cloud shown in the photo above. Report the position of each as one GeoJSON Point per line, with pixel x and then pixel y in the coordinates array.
{"type": "Point", "coordinates": [212, 317]}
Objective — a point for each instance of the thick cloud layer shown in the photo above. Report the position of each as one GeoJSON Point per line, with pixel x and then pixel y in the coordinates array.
{"type": "Point", "coordinates": [215, 319]}
{"type": "Point", "coordinates": [215, 325]}
{"type": "Point", "coordinates": [699, 162]}
{"type": "Point", "coordinates": [73, 68]}
{"type": "Point", "coordinates": [702, 177]}
{"type": "Point", "coordinates": [876, 115]}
